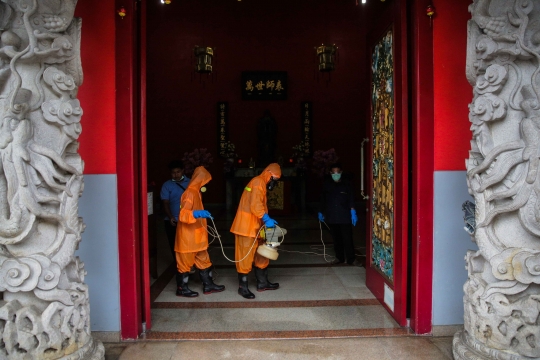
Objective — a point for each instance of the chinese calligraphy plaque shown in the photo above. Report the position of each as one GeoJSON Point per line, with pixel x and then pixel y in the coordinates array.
{"type": "Point", "coordinates": [264, 85]}
{"type": "Point", "coordinates": [307, 122]}
{"type": "Point", "coordinates": [223, 122]}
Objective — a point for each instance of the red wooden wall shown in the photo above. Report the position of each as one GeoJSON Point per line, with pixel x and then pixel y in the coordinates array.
{"type": "Point", "coordinates": [97, 94]}
{"type": "Point", "coordinates": [452, 91]}
{"type": "Point", "coordinates": [275, 35]}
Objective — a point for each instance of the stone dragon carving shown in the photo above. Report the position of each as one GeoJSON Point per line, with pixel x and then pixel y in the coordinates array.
{"type": "Point", "coordinates": [502, 293]}
{"type": "Point", "coordinates": [44, 313]}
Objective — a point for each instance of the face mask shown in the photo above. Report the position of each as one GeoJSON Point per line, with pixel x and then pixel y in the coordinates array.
{"type": "Point", "coordinates": [336, 177]}
{"type": "Point", "coordinates": [271, 184]}
{"type": "Point", "coordinates": [181, 179]}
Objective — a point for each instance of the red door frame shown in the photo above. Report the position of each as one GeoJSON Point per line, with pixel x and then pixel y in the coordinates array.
{"type": "Point", "coordinates": [420, 47]}
{"type": "Point", "coordinates": [131, 170]}
{"type": "Point", "coordinates": [423, 168]}
{"type": "Point", "coordinates": [143, 163]}
{"type": "Point", "coordinates": [397, 21]}
{"type": "Point", "coordinates": [132, 211]}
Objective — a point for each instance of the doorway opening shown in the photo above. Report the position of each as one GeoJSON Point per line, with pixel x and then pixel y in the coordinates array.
{"type": "Point", "coordinates": [180, 108]}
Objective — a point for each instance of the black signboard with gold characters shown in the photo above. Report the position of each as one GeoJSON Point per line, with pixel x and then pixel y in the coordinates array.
{"type": "Point", "coordinates": [223, 121]}
{"type": "Point", "coordinates": [307, 126]}
{"type": "Point", "coordinates": [264, 85]}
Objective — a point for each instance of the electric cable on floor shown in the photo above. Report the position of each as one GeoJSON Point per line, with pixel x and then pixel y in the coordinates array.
{"type": "Point", "coordinates": [314, 253]}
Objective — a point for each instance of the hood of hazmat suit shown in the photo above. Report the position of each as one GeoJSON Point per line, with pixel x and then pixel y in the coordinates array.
{"type": "Point", "coordinates": [252, 207]}
{"type": "Point", "coordinates": [191, 233]}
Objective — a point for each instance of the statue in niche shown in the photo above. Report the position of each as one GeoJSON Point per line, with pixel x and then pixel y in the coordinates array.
{"type": "Point", "coordinates": [266, 139]}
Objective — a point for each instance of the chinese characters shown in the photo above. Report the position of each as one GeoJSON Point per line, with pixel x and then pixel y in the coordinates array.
{"type": "Point", "coordinates": [222, 110]}
{"type": "Point", "coordinates": [270, 85]}
{"type": "Point", "coordinates": [306, 126]}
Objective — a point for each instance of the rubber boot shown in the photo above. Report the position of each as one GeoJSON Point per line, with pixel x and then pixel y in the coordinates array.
{"type": "Point", "coordinates": [243, 287]}
{"type": "Point", "coordinates": [182, 288]}
{"type": "Point", "coordinates": [262, 280]}
{"type": "Point", "coordinates": [208, 283]}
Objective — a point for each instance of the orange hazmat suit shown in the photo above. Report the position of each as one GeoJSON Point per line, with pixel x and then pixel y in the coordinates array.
{"type": "Point", "coordinates": [247, 221]}
{"type": "Point", "coordinates": [191, 235]}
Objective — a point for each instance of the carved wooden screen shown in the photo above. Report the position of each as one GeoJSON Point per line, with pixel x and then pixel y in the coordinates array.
{"type": "Point", "coordinates": [382, 98]}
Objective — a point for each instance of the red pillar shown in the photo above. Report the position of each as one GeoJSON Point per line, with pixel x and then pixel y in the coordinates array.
{"type": "Point", "coordinates": [127, 166]}
{"type": "Point", "coordinates": [423, 168]}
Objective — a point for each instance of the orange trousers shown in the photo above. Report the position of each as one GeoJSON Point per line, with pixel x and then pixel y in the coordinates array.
{"type": "Point", "coordinates": [243, 245]}
{"type": "Point", "coordinates": [184, 261]}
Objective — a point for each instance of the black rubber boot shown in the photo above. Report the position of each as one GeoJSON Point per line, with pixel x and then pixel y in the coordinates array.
{"type": "Point", "coordinates": [262, 280]}
{"type": "Point", "coordinates": [182, 288]}
{"type": "Point", "coordinates": [208, 283]}
{"type": "Point", "coordinates": [243, 287]}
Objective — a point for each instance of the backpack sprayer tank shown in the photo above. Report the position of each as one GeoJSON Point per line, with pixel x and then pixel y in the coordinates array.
{"type": "Point", "coordinates": [269, 249]}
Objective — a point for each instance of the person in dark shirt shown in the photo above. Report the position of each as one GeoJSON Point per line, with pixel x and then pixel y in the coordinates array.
{"type": "Point", "coordinates": [171, 192]}
{"type": "Point", "coordinates": [337, 210]}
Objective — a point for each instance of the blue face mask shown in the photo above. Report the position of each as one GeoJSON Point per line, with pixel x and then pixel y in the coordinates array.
{"type": "Point", "coordinates": [336, 177]}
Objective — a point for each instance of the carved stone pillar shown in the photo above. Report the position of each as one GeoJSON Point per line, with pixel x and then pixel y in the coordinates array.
{"type": "Point", "coordinates": [502, 293]}
{"type": "Point", "coordinates": [44, 313]}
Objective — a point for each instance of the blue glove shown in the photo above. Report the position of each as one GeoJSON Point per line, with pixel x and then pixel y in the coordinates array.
{"type": "Point", "coordinates": [201, 214]}
{"type": "Point", "coordinates": [268, 222]}
{"type": "Point", "coordinates": [321, 217]}
{"type": "Point", "coordinates": [354, 217]}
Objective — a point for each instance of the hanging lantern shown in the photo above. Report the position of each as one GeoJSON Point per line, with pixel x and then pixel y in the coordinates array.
{"type": "Point", "coordinates": [327, 57]}
{"type": "Point", "coordinates": [166, 2]}
{"type": "Point", "coordinates": [430, 10]}
{"type": "Point", "coordinates": [122, 12]}
{"type": "Point", "coordinates": [203, 59]}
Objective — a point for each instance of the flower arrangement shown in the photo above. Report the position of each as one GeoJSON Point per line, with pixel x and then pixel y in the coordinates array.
{"type": "Point", "coordinates": [322, 160]}
{"type": "Point", "coordinates": [198, 157]}
{"type": "Point", "coordinates": [300, 150]}
{"type": "Point", "coordinates": [229, 152]}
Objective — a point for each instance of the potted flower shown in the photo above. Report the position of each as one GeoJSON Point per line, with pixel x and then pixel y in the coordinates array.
{"type": "Point", "coordinates": [198, 157]}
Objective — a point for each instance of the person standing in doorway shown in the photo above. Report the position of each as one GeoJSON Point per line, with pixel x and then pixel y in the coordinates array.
{"type": "Point", "coordinates": [337, 210]}
{"type": "Point", "coordinates": [252, 213]}
{"type": "Point", "coordinates": [171, 192]}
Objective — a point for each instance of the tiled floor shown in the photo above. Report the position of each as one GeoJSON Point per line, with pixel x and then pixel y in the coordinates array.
{"type": "Point", "coordinates": [296, 284]}
{"type": "Point", "coordinates": [388, 348]}
{"type": "Point", "coordinates": [314, 298]}
{"type": "Point", "coordinates": [272, 319]}
{"type": "Point", "coordinates": [319, 312]}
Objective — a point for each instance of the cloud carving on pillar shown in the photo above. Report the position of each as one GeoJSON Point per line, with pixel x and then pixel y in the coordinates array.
{"type": "Point", "coordinates": [45, 308]}
{"type": "Point", "coordinates": [502, 293]}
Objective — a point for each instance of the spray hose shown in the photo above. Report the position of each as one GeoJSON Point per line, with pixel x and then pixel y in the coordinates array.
{"type": "Point", "coordinates": [212, 231]}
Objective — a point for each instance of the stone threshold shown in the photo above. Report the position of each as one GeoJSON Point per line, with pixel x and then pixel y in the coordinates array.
{"type": "Point", "coordinates": [274, 335]}
{"type": "Point", "coordinates": [290, 266]}
{"type": "Point", "coordinates": [264, 304]}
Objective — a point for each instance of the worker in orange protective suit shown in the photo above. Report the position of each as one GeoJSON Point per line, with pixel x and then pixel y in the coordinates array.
{"type": "Point", "coordinates": [192, 238]}
{"type": "Point", "coordinates": [252, 213]}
